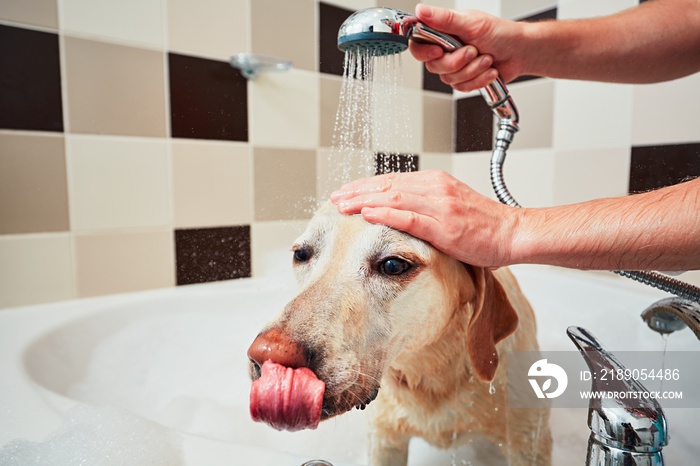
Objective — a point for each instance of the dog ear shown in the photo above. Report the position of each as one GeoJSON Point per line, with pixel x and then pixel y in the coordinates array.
{"type": "Point", "coordinates": [493, 319]}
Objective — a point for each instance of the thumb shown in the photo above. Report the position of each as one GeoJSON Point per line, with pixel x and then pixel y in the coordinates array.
{"type": "Point", "coordinates": [447, 21]}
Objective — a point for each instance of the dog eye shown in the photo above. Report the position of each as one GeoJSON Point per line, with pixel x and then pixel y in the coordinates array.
{"type": "Point", "coordinates": [394, 266]}
{"type": "Point", "coordinates": [302, 255]}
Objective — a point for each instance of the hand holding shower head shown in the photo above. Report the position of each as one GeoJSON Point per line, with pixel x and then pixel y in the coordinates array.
{"type": "Point", "coordinates": [386, 31]}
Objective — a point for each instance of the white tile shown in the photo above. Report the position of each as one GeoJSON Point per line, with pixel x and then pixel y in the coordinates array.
{"type": "Point", "coordinates": [212, 184]}
{"type": "Point", "coordinates": [284, 109]}
{"type": "Point", "coordinates": [271, 241]}
{"type": "Point", "coordinates": [130, 21]}
{"type": "Point", "coordinates": [35, 269]}
{"type": "Point", "coordinates": [591, 115]}
{"type": "Point", "coordinates": [489, 6]}
{"type": "Point", "coordinates": [211, 28]}
{"type": "Point", "coordinates": [661, 112]}
{"type": "Point", "coordinates": [472, 168]}
{"type": "Point", "coordinates": [590, 174]}
{"type": "Point", "coordinates": [535, 103]}
{"type": "Point", "coordinates": [436, 161]}
{"type": "Point", "coordinates": [118, 183]}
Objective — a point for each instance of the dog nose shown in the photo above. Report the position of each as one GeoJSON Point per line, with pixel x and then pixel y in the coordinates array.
{"type": "Point", "coordinates": [280, 348]}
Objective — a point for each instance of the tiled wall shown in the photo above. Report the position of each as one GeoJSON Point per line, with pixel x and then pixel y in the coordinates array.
{"type": "Point", "coordinates": [132, 156]}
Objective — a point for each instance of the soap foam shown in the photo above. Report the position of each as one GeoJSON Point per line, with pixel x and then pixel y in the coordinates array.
{"type": "Point", "coordinates": [99, 436]}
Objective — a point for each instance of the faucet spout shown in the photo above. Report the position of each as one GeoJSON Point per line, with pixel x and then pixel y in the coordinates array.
{"type": "Point", "coordinates": [672, 314]}
{"type": "Point", "coordinates": [624, 431]}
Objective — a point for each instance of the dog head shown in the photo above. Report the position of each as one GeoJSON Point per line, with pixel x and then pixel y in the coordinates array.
{"type": "Point", "coordinates": [371, 295]}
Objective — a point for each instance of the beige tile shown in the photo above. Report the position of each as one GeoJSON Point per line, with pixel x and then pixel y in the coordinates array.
{"type": "Point", "coordinates": [286, 30]}
{"type": "Point", "coordinates": [535, 102]}
{"type": "Point", "coordinates": [35, 269]}
{"type": "Point", "coordinates": [438, 122]}
{"type": "Point", "coordinates": [211, 184]}
{"type": "Point", "coordinates": [352, 4]}
{"type": "Point", "coordinates": [436, 161]}
{"type": "Point", "coordinates": [118, 182]}
{"type": "Point", "coordinates": [113, 89]}
{"type": "Point", "coordinates": [36, 12]}
{"type": "Point", "coordinates": [335, 168]}
{"type": "Point", "coordinates": [397, 120]}
{"type": "Point", "coordinates": [33, 187]}
{"type": "Point", "coordinates": [271, 244]}
{"type": "Point", "coordinates": [658, 112]}
{"type": "Point", "coordinates": [140, 22]}
{"type": "Point", "coordinates": [572, 9]}
{"type": "Point", "coordinates": [330, 87]}
{"type": "Point", "coordinates": [210, 28]}
{"type": "Point", "coordinates": [489, 6]}
{"type": "Point", "coordinates": [118, 263]}
{"type": "Point", "coordinates": [472, 168]}
{"type": "Point", "coordinates": [284, 109]}
{"type": "Point", "coordinates": [590, 174]}
{"type": "Point", "coordinates": [530, 175]}
{"type": "Point", "coordinates": [285, 183]}
{"type": "Point", "coordinates": [521, 8]}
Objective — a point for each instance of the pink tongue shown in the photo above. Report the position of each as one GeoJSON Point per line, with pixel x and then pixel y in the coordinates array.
{"type": "Point", "coordinates": [287, 398]}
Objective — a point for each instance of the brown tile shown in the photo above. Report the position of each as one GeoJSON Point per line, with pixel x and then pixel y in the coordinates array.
{"type": "Point", "coordinates": [30, 80]}
{"type": "Point", "coordinates": [438, 123]}
{"type": "Point", "coordinates": [331, 17]}
{"type": "Point", "coordinates": [432, 82]}
{"type": "Point", "coordinates": [33, 187]}
{"type": "Point", "coordinates": [36, 12]}
{"type": "Point", "coordinates": [123, 262]}
{"type": "Point", "coordinates": [474, 125]}
{"type": "Point", "coordinates": [114, 89]}
{"type": "Point", "coordinates": [208, 99]}
{"type": "Point", "coordinates": [285, 183]}
{"type": "Point", "coordinates": [285, 30]}
{"type": "Point", "coordinates": [395, 163]}
{"type": "Point", "coordinates": [212, 254]}
{"type": "Point", "coordinates": [654, 167]}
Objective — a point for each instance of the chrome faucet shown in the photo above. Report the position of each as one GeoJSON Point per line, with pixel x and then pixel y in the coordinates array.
{"type": "Point", "coordinates": [672, 314]}
{"type": "Point", "coordinates": [624, 432]}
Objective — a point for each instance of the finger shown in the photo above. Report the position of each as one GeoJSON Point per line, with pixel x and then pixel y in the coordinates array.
{"type": "Point", "coordinates": [405, 201]}
{"type": "Point", "coordinates": [468, 72]}
{"type": "Point", "coordinates": [420, 226]}
{"type": "Point", "coordinates": [425, 52]}
{"type": "Point", "coordinates": [369, 185]}
{"type": "Point", "coordinates": [453, 62]}
{"type": "Point", "coordinates": [444, 20]}
{"type": "Point", "coordinates": [479, 82]}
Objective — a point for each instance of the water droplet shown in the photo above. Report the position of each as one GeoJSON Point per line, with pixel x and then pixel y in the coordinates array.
{"type": "Point", "coordinates": [492, 389]}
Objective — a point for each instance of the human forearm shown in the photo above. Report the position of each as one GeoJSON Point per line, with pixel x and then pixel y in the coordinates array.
{"type": "Point", "coordinates": [658, 230]}
{"type": "Point", "coordinates": [656, 41]}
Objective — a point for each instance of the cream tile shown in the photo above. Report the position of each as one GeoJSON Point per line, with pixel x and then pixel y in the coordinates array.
{"type": "Point", "coordinates": [572, 9]}
{"type": "Point", "coordinates": [590, 115]}
{"type": "Point", "coordinates": [352, 4]}
{"type": "Point", "coordinates": [271, 243]}
{"type": "Point", "coordinates": [211, 184]}
{"type": "Point", "coordinates": [284, 109]}
{"type": "Point", "coordinates": [330, 87]}
{"type": "Point", "coordinates": [37, 12]}
{"type": "Point", "coordinates": [436, 161]}
{"type": "Point", "coordinates": [438, 123]}
{"type": "Point", "coordinates": [489, 6]}
{"type": "Point", "coordinates": [286, 30]}
{"type": "Point", "coordinates": [113, 89]}
{"type": "Point", "coordinates": [590, 174]}
{"type": "Point", "coordinates": [33, 186]}
{"type": "Point", "coordinates": [118, 183]}
{"type": "Point", "coordinates": [472, 168]}
{"type": "Point", "coordinates": [659, 109]}
{"type": "Point", "coordinates": [119, 263]}
{"type": "Point", "coordinates": [397, 120]}
{"type": "Point", "coordinates": [210, 28]}
{"type": "Point", "coordinates": [520, 8]}
{"type": "Point", "coordinates": [335, 168]}
{"type": "Point", "coordinates": [35, 269]}
{"type": "Point", "coordinates": [139, 22]}
{"type": "Point", "coordinates": [535, 102]}
{"type": "Point", "coordinates": [285, 183]}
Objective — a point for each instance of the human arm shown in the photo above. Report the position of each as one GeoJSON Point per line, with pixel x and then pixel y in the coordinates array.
{"type": "Point", "coordinates": [657, 230]}
{"type": "Point", "coordinates": [656, 41]}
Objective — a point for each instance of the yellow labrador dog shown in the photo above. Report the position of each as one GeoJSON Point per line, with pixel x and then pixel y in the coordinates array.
{"type": "Point", "coordinates": [384, 315]}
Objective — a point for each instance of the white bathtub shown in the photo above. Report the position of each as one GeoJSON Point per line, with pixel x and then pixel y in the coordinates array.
{"type": "Point", "coordinates": [178, 357]}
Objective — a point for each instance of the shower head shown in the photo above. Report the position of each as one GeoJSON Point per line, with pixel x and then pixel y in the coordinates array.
{"type": "Point", "coordinates": [386, 31]}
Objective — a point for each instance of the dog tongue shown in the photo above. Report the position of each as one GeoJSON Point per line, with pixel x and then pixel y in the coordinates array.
{"type": "Point", "coordinates": [286, 398]}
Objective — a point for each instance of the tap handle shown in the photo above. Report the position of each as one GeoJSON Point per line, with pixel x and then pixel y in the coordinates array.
{"type": "Point", "coordinates": [625, 423]}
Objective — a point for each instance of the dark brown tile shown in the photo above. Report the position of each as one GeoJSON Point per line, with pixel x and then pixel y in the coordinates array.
{"type": "Point", "coordinates": [208, 99]}
{"type": "Point", "coordinates": [30, 80]}
{"type": "Point", "coordinates": [432, 82]}
{"type": "Point", "coordinates": [474, 125]}
{"type": "Point", "coordinates": [212, 254]}
{"type": "Point", "coordinates": [543, 15]}
{"type": "Point", "coordinates": [330, 19]}
{"type": "Point", "coordinates": [394, 163]}
{"type": "Point", "coordinates": [654, 167]}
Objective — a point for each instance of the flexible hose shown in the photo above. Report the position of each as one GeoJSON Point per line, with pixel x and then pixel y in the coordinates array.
{"type": "Point", "coordinates": [653, 279]}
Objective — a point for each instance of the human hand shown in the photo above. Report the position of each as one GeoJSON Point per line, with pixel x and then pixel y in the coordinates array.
{"type": "Point", "coordinates": [465, 69]}
{"type": "Point", "coordinates": [438, 208]}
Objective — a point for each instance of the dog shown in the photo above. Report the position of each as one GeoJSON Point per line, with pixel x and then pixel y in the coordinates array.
{"type": "Point", "coordinates": [383, 315]}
